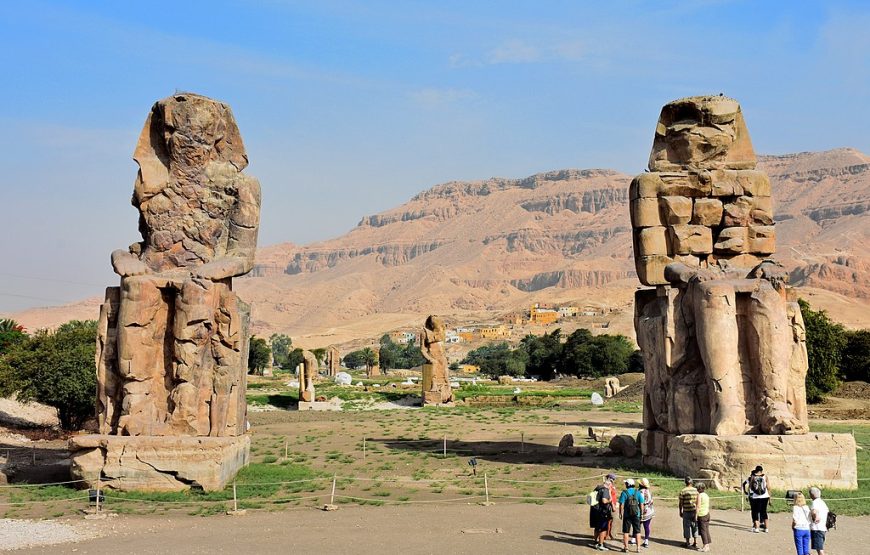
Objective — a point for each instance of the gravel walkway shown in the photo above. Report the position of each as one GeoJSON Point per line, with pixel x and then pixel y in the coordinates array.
{"type": "Point", "coordinates": [17, 534]}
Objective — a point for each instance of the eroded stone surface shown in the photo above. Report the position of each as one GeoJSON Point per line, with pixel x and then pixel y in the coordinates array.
{"type": "Point", "coordinates": [436, 379]}
{"type": "Point", "coordinates": [172, 343]}
{"type": "Point", "coordinates": [723, 342]}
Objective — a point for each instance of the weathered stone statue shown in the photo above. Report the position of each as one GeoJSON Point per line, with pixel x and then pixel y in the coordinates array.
{"type": "Point", "coordinates": [721, 333]}
{"type": "Point", "coordinates": [173, 338]}
{"type": "Point", "coordinates": [333, 361]}
{"type": "Point", "coordinates": [436, 382]}
{"type": "Point", "coordinates": [612, 387]}
{"type": "Point", "coordinates": [308, 371]}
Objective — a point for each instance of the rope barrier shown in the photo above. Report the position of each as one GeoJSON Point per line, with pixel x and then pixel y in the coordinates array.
{"type": "Point", "coordinates": [409, 502]}
{"type": "Point", "coordinates": [42, 502]}
{"type": "Point", "coordinates": [42, 485]}
{"type": "Point", "coordinates": [547, 481]}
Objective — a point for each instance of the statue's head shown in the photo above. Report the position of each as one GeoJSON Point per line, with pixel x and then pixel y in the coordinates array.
{"type": "Point", "coordinates": [436, 324]}
{"type": "Point", "coordinates": [701, 132]}
{"type": "Point", "coordinates": [185, 133]}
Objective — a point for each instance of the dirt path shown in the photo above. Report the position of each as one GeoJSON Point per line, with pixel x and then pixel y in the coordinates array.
{"type": "Point", "coordinates": [438, 530]}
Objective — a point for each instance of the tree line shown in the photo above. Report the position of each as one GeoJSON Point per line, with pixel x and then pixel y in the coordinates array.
{"type": "Point", "coordinates": [546, 356]}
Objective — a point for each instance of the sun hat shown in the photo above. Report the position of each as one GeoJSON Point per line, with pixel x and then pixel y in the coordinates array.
{"type": "Point", "coordinates": [644, 482]}
{"type": "Point", "coordinates": [611, 476]}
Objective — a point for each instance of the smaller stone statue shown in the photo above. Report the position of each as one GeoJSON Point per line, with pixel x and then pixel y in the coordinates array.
{"type": "Point", "coordinates": [436, 382]}
{"type": "Point", "coordinates": [308, 370]}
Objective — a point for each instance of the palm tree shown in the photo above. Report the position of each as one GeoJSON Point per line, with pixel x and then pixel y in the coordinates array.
{"type": "Point", "coordinates": [8, 325]}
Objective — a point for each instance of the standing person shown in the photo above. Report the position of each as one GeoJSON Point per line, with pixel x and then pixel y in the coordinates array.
{"type": "Point", "coordinates": [800, 524]}
{"type": "Point", "coordinates": [703, 505]}
{"type": "Point", "coordinates": [689, 514]}
{"type": "Point", "coordinates": [755, 487]}
{"type": "Point", "coordinates": [601, 515]}
{"type": "Point", "coordinates": [648, 509]}
{"type": "Point", "coordinates": [818, 520]}
{"type": "Point", "coordinates": [631, 505]}
{"type": "Point", "coordinates": [614, 495]}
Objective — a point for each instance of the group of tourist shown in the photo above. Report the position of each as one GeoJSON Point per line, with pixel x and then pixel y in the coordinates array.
{"type": "Point", "coordinates": [635, 508]}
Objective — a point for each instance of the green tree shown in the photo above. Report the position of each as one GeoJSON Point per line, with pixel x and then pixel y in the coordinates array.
{"type": "Point", "coordinates": [55, 368]}
{"type": "Point", "coordinates": [543, 353]}
{"type": "Point", "coordinates": [319, 353]}
{"type": "Point", "coordinates": [281, 346]}
{"type": "Point", "coordinates": [10, 333]}
{"type": "Point", "coordinates": [855, 361]}
{"type": "Point", "coordinates": [295, 358]}
{"type": "Point", "coordinates": [825, 342]}
{"type": "Point", "coordinates": [354, 359]}
{"type": "Point", "coordinates": [498, 359]}
{"type": "Point", "coordinates": [259, 355]}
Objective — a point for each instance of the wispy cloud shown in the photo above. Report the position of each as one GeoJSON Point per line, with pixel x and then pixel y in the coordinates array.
{"type": "Point", "coordinates": [514, 52]}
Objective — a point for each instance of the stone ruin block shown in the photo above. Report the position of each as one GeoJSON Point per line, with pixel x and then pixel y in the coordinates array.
{"type": "Point", "coordinates": [707, 211]}
{"type": "Point", "coordinates": [675, 210]}
{"type": "Point", "coordinates": [691, 239]}
{"type": "Point", "coordinates": [732, 240]}
{"type": "Point", "coordinates": [762, 211]}
{"type": "Point", "coordinates": [645, 212]}
{"type": "Point", "coordinates": [754, 183]}
{"type": "Point", "coordinates": [652, 241]}
{"type": "Point", "coordinates": [762, 239]}
{"type": "Point", "coordinates": [737, 212]}
{"type": "Point", "coordinates": [651, 269]}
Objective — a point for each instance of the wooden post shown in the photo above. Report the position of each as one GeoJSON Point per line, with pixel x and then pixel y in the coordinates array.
{"type": "Point", "coordinates": [98, 497]}
{"type": "Point", "coordinates": [33, 452]}
{"type": "Point", "coordinates": [285, 449]}
{"type": "Point", "coordinates": [486, 486]}
{"type": "Point", "coordinates": [445, 446]}
{"type": "Point", "coordinates": [364, 447]}
{"type": "Point", "coordinates": [332, 496]}
{"type": "Point", "coordinates": [235, 498]}
{"type": "Point", "coordinates": [522, 442]}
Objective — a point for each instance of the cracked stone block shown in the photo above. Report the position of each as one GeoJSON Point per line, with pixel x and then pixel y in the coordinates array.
{"type": "Point", "coordinates": [652, 240]}
{"type": "Point", "coordinates": [645, 212]}
{"type": "Point", "coordinates": [753, 182]}
{"type": "Point", "coordinates": [762, 239]}
{"type": "Point", "coordinates": [737, 212]}
{"type": "Point", "coordinates": [645, 185]}
{"type": "Point", "coordinates": [651, 269]}
{"type": "Point", "coordinates": [724, 183]}
{"type": "Point", "coordinates": [691, 239]}
{"type": "Point", "coordinates": [676, 210]}
{"type": "Point", "coordinates": [762, 211]}
{"type": "Point", "coordinates": [732, 240]}
{"type": "Point", "coordinates": [707, 212]}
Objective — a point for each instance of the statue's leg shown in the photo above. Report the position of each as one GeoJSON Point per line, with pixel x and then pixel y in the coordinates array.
{"type": "Point", "coordinates": [717, 335]}
{"type": "Point", "coordinates": [771, 340]}
{"type": "Point", "coordinates": [142, 321]}
{"type": "Point", "coordinates": [193, 327]}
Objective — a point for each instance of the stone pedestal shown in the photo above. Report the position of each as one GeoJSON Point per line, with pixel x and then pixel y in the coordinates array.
{"type": "Point", "coordinates": [789, 461]}
{"type": "Point", "coordinates": [158, 463]}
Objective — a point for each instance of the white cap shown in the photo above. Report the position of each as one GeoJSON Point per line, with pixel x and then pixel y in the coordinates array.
{"type": "Point", "coordinates": [629, 482]}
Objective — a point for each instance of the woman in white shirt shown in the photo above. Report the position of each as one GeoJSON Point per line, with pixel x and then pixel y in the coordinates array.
{"type": "Point", "coordinates": [800, 524]}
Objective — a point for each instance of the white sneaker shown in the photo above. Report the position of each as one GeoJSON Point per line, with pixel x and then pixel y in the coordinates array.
{"type": "Point", "coordinates": [755, 530]}
{"type": "Point", "coordinates": [645, 543]}
{"type": "Point", "coordinates": [631, 541]}
{"type": "Point", "coordinates": [764, 530]}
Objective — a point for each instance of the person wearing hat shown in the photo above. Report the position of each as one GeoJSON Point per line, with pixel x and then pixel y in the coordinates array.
{"type": "Point", "coordinates": [755, 487]}
{"type": "Point", "coordinates": [601, 513]}
{"type": "Point", "coordinates": [648, 509]}
{"type": "Point", "coordinates": [631, 513]}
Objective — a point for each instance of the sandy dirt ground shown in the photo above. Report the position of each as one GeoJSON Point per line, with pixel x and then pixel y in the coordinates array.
{"type": "Point", "coordinates": [456, 529]}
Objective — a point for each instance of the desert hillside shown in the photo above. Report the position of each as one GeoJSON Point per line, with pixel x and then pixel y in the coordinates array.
{"type": "Point", "coordinates": [475, 250]}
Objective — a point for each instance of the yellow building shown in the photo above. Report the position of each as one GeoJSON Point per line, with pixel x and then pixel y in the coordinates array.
{"type": "Point", "coordinates": [494, 332]}
{"type": "Point", "coordinates": [466, 335]}
{"type": "Point", "coordinates": [469, 368]}
{"type": "Point", "coordinates": [542, 316]}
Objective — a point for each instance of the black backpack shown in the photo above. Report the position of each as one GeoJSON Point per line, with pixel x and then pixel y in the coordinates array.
{"type": "Point", "coordinates": [632, 505]}
{"type": "Point", "coordinates": [831, 521]}
{"type": "Point", "coordinates": [757, 485]}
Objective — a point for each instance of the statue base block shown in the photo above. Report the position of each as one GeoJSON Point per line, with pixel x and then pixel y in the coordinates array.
{"type": "Point", "coordinates": [790, 462]}
{"type": "Point", "coordinates": [158, 463]}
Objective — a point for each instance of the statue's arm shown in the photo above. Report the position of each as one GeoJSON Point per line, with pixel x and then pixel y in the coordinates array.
{"type": "Point", "coordinates": [127, 264]}
{"type": "Point", "coordinates": [244, 223]}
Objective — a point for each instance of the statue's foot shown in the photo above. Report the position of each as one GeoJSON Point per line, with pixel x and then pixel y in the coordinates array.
{"type": "Point", "coordinates": [781, 422]}
{"type": "Point", "coordinates": [730, 427]}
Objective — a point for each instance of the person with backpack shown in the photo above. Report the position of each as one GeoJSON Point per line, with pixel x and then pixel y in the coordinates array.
{"type": "Point", "coordinates": [821, 519]}
{"type": "Point", "coordinates": [688, 502]}
{"type": "Point", "coordinates": [755, 487]}
{"type": "Point", "coordinates": [648, 509]}
{"type": "Point", "coordinates": [600, 513]}
{"type": "Point", "coordinates": [703, 505]}
{"type": "Point", "coordinates": [631, 504]}
{"type": "Point", "coordinates": [614, 495]}
{"type": "Point", "coordinates": [800, 524]}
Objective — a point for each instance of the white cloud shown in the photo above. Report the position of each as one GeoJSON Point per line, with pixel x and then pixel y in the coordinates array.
{"type": "Point", "coordinates": [514, 52]}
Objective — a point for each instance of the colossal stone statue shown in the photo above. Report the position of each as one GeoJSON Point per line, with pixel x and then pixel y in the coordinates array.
{"type": "Point", "coordinates": [333, 361]}
{"type": "Point", "coordinates": [721, 333]}
{"type": "Point", "coordinates": [436, 383]}
{"type": "Point", "coordinates": [173, 338]}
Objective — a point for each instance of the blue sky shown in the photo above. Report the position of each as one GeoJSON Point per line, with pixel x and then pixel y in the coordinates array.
{"type": "Point", "coordinates": [350, 108]}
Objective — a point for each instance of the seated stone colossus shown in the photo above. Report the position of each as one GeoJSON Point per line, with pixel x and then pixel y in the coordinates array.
{"type": "Point", "coordinates": [172, 344]}
{"type": "Point", "coordinates": [720, 330]}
